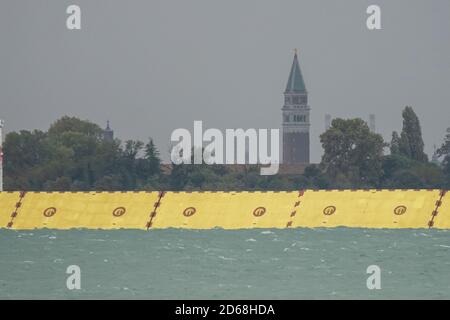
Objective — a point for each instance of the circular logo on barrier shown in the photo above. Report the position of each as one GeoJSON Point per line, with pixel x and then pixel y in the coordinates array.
{"type": "Point", "coordinates": [118, 212]}
{"type": "Point", "coordinates": [328, 211]}
{"type": "Point", "coordinates": [400, 210]}
{"type": "Point", "coordinates": [49, 212]}
{"type": "Point", "coordinates": [189, 211]}
{"type": "Point", "coordinates": [258, 212]}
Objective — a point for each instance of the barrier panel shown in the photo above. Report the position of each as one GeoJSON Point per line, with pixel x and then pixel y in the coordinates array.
{"type": "Point", "coordinates": [91, 210]}
{"type": "Point", "coordinates": [442, 218]}
{"type": "Point", "coordinates": [228, 210]}
{"type": "Point", "coordinates": [8, 201]}
{"type": "Point", "coordinates": [366, 208]}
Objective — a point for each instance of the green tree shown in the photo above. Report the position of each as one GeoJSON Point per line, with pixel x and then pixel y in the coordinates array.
{"type": "Point", "coordinates": [73, 124]}
{"type": "Point", "coordinates": [24, 153]}
{"type": "Point", "coordinates": [411, 142]}
{"type": "Point", "coordinates": [179, 176]}
{"type": "Point", "coordinates": [446, 169]}
{"type": "Point", "coordinates": [81, 139]}
{"type": "Point", "coordinates": [73, 155]}
{"type": "Point", "coordinates": [352, 153]}
{"type": "Point", "coordinates": [403, 172]}
{"type": "Point", "coordinates": [109, 183]}
{"type": "Point", "coordinates": [152, 157]}
{"type": "Point", "coordinates": [444, 151]}
{"type": "Point", "coordinates": [316, 177]}
{"type": "Point", "coordinates": [132, 168]}
{"type": "Point", "coordinates": [395, 143]}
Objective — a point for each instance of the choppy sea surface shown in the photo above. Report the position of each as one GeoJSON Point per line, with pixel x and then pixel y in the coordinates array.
{"type": "Point", "coordinates": [221, 264]}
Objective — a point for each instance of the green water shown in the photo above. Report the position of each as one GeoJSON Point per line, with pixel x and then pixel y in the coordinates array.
{"type": "Point", "coordinates": [219, 264]}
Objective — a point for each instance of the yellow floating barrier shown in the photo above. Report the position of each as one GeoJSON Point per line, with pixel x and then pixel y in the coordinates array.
{"type": "Point", "coordinates": [8, 202]}
{"type": "Point", "coordinates": [91, 210]}
{"type": "Point", "coordinates": [366, 208]}
{"type": "Point", "coordinates": [228, 210]}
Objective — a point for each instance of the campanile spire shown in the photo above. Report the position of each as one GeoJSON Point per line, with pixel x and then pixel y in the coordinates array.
{"type": "Point", "coordinates": [296, 120]}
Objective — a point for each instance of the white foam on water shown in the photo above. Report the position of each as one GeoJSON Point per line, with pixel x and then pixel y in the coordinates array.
{"type": "Point", "coordinates": [227, 259]}
{"type": "Point", "coordinates": [275, 259]}
{"type": "Point", "coordinates": [25, 234]}
{"type": "Point", "coordinates": [425, 235]}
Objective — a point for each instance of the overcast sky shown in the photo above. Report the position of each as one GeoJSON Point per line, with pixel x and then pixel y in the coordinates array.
{"type": "Point", "coordinates": [153, 66]}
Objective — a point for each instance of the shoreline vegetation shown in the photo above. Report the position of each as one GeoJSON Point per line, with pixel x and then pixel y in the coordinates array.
{"type": "Point", "coordinates": [73, 155]}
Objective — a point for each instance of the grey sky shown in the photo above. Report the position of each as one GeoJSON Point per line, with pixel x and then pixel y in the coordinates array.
{"type": "Point", "coordinates": [153, 66]}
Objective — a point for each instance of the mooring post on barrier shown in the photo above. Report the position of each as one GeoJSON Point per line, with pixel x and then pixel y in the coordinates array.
{"type": "Point", "coordinates": [436, 210]}
{"type": "Point", "coordinates": [296, 206]}
{"type": "Point", "coordinates": [17, 206]}
{"type": "Point", "coordinates": [156, 205]}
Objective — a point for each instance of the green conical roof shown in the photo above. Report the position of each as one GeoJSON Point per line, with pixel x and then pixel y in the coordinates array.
{"type": "Point", "coordinates": [295, 83]}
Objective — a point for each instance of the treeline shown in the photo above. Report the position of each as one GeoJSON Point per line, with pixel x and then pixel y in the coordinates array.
{"type": "Point", "coordinates": [73, 155]}
{"type": "Point", "coordinates": [355, 157]}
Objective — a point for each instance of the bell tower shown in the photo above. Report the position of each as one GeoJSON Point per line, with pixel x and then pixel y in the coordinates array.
{"type": "Point", "coordinates": [295, 120]}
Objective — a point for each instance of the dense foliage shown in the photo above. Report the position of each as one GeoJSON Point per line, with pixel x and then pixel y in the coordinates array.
{"type": "Point", "coordinates": [73, 155]}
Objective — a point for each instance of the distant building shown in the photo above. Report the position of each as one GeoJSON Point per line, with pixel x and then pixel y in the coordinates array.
{"type": "Point", "coordinates": [372, 123]}
{"type": "Point", "coordinates": [108, 134]}
{"type": "Point", "coordinates": [295, 120]}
